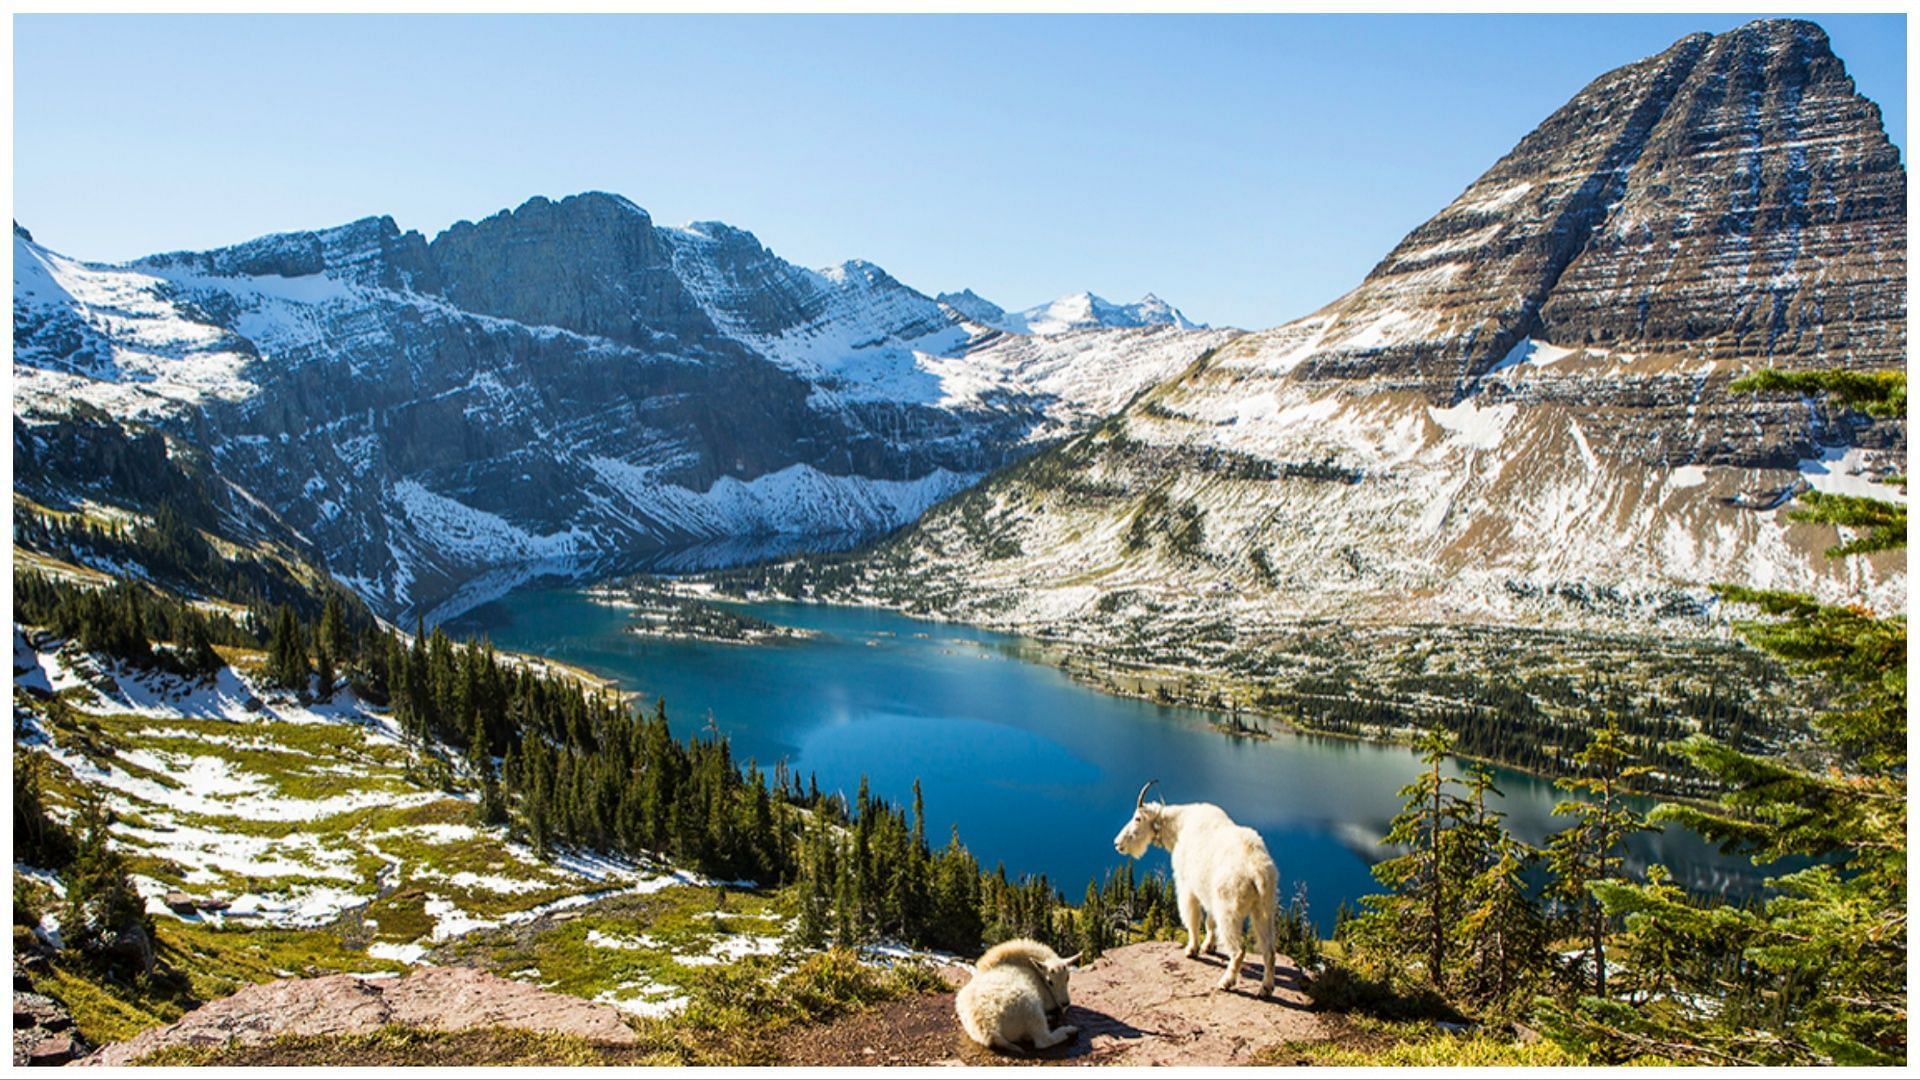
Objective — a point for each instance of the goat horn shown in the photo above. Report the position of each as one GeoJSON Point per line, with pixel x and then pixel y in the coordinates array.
{"type": "Point", "coordinates": [1074, 958]}
{"type": "Point", "coordinates": [1142, 799]}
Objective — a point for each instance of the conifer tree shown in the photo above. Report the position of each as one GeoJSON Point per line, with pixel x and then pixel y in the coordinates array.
{"type": "Point", "coordinates": [1817, 973]}
{"type": "Point", "coordinates": [196, 652]}
{"type": "Point", "coordinates": [1428, 879]}
{"type": "Point", "coordinates": [38, 840]}
{"type": "Point", "coordinates": [287, 652]}
{"type": "Point", "coordinates": [104, 919]}
{"type": "Point", "coordinates": [1500, 929]}
{"type": "Point", "coordinates": [1591, 849]}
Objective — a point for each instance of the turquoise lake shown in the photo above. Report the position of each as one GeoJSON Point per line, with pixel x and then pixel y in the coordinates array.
{"type": "Point", "coordinates": [1037, 772]}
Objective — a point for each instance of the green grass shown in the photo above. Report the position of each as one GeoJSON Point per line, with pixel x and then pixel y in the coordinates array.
{"type": "Point", "coordinates": [411, 1046]}
{"type": "Point", "coordinates": [208, 963]}
{"type": "Point", "coordinates": [673, 921]}
{"type": "Point", "coordinates": [1367, 1043]}
{"type": "Point", "coordinates": [400, 918]}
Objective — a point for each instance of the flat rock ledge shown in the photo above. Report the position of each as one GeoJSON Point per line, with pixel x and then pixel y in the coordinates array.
{"type": "Point", "coordinates": [1144, 1004]}
{"type": "Point", "coordinates": [432, 998]}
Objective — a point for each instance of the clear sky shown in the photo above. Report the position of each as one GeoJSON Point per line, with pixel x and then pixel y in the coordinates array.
{"type": "Point", "coordinates": [1245, 168]}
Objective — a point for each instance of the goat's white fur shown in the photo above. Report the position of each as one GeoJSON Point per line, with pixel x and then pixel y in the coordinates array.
{"type": "Point", "coordinates": [1014, 986]}
{"type": "Point", "coordinates": [1222, 876]}
{"type": "Point", "coordinates": [1041, 958]}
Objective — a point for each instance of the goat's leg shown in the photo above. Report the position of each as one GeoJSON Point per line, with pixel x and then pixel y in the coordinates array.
{"type": "Point", "coordinates": [1236, 949]}
{"type": "Point", "coordinates": [1263, 926]}
{"type": "Point", "coordinates": [1190, 917]}
{"type": "Point", "coordinates": [1213, 926]}
{"type": "Point", "coordinates": [1055, 1037]}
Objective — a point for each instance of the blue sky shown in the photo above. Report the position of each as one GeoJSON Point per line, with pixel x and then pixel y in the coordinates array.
{"type": "Point", "coordinates": [1246, 168]}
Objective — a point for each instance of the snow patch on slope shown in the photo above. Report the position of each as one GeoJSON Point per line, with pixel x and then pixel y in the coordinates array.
{"type": "Point", "coordinates": [1848, 470]}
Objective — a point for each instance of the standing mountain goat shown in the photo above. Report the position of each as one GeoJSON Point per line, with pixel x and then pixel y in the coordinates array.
{"type": "Point", "coordinates": [1221, 873]}
{"type": "Point", "coordinates": [1014, 988]}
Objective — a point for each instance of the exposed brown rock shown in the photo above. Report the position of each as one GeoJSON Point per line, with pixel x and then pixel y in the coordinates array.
{"type": "Point", "coordinates": [1143, 1004]}
{"type": "Point", "coordinates": [43, 1031]}
{"type": "Point", "coordinates": [55, 1049]}
{"type": "Point", "coordinates": [434, 998]}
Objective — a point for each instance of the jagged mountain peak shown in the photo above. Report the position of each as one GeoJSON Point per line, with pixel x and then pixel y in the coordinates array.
{"type": "Point", "coordinates": [372, 250]}
{"type": "Point", "coordinates": [1522, 414]}
{"type": "Point", "coordinates": [1745, 157]}
{"type": "Point", "coordinates": [972, 307]}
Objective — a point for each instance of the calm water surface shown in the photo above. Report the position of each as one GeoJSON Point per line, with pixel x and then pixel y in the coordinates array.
{"type": "Point", "coordinates": [1037, 772]}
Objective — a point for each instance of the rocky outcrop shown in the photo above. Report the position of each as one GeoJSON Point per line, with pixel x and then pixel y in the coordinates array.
{"type": "Point", "coordinates": [43, 1031]}
{"type": "Point", "coordinates": [1139, 1005]}
{"type": "Point", "coordinates": [591, 263]}
{"type": "Point", "coordinates": [1521, 415]}
{"type": "Point", "coordinates": [437, 999]}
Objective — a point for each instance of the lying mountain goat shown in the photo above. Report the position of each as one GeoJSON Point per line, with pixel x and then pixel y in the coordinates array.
{"type": "Point", "coordinates": [1014, 988]}
{"type": "Point", "coordinates": [1221, 873]}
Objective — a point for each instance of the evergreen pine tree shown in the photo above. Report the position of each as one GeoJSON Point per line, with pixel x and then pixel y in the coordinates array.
{"type": "Point", "coordinates": [38, 840]}
{"type": "Point", "coordinates": [1428, 879]}
{"type": "Point", "coordinates": [1500, 929]}
{"type": "Point", "coordinates": [104, 920]}
{"type": "Point", "coordinates": [287, 652]}
{"type": "Point", "coordinates": [1590, 850]}
{"type": "Point", "coordinates": [1816, 974]}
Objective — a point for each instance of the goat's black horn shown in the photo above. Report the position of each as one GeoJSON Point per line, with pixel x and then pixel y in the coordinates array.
{"type": "Point", "coordinates": [1142, 799]}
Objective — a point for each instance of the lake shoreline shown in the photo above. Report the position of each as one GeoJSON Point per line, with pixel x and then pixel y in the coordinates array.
{"type": "Point", "coordinates": [1104, 676]}
{"type": "Point", "coordinates": [999, 729]}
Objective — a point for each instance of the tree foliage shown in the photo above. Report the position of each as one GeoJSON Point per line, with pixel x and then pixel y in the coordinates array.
{"type": "Point", "coordinates": [1816, 973]}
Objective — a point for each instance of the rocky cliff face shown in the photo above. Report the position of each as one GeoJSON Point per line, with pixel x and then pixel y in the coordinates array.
{"type": "Point", "coordinates": [557, 386]}
{"type": "Point", "coordinates": [1522, 413]}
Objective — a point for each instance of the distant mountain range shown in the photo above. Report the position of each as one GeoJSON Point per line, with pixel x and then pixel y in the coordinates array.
{"type": "Point", "coordinates": [555, 387]}
{"type": "Point", "coordinates": [1521, 414]}
{"type": "Point", "coordinates": [1078, 311]}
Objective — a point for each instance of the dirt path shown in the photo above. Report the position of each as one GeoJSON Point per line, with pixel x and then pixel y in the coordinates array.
{"type": "Point", "coordinates": [1141, 1005]}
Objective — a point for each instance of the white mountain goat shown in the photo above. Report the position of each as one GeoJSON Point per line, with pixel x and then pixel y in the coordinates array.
{"type": "Point", "coordinates": [1014, 988]}
{"type": "Point", "coordinates": [1221, 873]}
{"type": "Point", "coordinates": [1040, 958]}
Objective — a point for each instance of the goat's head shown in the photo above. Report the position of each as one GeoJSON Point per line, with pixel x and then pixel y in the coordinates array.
{"type": "Point", "coordinates": [1054, 973]}
{"type": "Point", "coordinates": [1143, 828]}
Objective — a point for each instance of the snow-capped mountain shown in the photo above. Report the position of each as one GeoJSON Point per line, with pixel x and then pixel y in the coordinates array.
{"type": "Point", "coordinates": [1522, 415]}
{"type": "Point", "coordinates": [1077, 311]}
{"type": "Point", "coordinates": [559, 385]}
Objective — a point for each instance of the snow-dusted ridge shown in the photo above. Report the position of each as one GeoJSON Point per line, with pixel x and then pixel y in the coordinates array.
{"type": "Point", "coordinates": [428, 413]}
